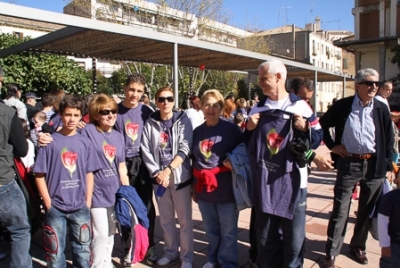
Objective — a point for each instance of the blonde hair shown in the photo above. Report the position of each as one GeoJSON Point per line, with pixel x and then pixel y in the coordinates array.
{"type": "Point", "coordinates": [214, 93]}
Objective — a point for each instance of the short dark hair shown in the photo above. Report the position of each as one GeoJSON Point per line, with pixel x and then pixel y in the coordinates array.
{"type": "Point", "coordinates": [299, 82]}
{"type": "Point", "coordinates": [12, 90]}
{"type": "Point", "coordinates": [47, 100]}
{"type": "Point", "coordinates": [70, 101]}
{"type": "Point", "coordinates": [135, 78]}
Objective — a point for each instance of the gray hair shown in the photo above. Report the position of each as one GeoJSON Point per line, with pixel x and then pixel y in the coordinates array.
{"type": "Point", "coordinates": [274, 67]}
{"type": "Point", "coordinates": [361, 74]}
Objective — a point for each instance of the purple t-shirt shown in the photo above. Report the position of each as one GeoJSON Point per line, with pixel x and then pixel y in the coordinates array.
{"type": "Point", "coordinates": [56, 122]}
{"type": "Point", "coordinates": [110, 150]}
{"type": "Point", "coordinates": [130, 123]}
{"type": "Point", "coordinates": [66, 161]}
{"type": "Point", "coordinates": [210, 146]}
{"type": "Point", "coordinates": [390, 207]}
{"type": "Point", "coordinates": [166, 142]}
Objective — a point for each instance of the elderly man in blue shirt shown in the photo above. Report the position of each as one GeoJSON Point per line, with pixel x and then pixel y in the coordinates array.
{"type": "Point", "coordinates": [362, 152]}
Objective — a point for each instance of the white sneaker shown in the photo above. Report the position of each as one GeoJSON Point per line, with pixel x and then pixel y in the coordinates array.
{"type": "Point", "coordinates": [186, 265]}
{"type": "Point", "coordinates": [163, 261]}
{"type": "Point", "coordinates": [209, 265]}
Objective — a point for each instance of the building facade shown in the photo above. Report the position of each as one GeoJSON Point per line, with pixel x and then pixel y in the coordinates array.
{"type": "Point", "coordinates": [314, 46]}
{"type": "Point", "coordinates": [377, 31]}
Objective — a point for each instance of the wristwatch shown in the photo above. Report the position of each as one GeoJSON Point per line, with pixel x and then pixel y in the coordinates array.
{"type": "Point", "coordinates": [171, 168]}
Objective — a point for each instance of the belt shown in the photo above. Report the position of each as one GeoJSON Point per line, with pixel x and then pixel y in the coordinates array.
{"type": "Point", "coordinates": [362, 156]}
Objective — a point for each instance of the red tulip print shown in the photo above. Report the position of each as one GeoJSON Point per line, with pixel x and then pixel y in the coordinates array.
{"type": "Point", "coordinates": [131, 130]}
{"type": "Point", "coordinates": [69, 160]}
{"type": "Point", "coordinates": [109, 151]}
{"type": "Point", "coordinates": [205, 148]}
{"type": "Point", "coordinates": [163, 140]}
{"type": "Point", "coordinates": [274, 141]}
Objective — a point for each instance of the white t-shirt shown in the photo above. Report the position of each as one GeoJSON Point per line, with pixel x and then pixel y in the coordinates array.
{"type": "Point", "coordinates": [29, 159]}
{"type": "Point", "coordinates": [196, 117]}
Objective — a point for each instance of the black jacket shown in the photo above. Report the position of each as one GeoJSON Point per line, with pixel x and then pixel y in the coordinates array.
{"type": "Point", "coordinates": [336, 117]}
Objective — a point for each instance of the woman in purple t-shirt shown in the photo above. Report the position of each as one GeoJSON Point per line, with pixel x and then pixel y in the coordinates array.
{"type": "Point", "coordinates": [109, 145]}
{"type": "Point", "coordinates": [213, 181]}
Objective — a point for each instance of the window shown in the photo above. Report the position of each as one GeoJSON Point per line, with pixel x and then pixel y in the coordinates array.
{"type": "Point", "coordinates": [19, 35]}
{"type": "Point", "coordinates": [345, 64]}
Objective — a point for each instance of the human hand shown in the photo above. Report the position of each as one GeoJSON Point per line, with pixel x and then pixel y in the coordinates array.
{"type": "Point", "coordinates": [322, 163]}
{"type": "Point", "coordinates": [162, 178]}
{"type": "Point", "coordinates": [81, 124]}
{"type": "Point", "coordinates": [252, 121]}
{"type": "Point", "coordinates": [227, 163]}
{"type": "Point", "coordinates": [44, 139]}
{"type": "Point", "coordinates": [386, 252]}
{"type": "Point", "coordinates": [300, 123]}
{"type": "Point", "coordinates": [340, 150]}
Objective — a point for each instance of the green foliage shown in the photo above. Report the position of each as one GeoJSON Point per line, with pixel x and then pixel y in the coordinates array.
{"type": "Point", "coordinates": [396, 57]}
{"type": "Point", "coordinates": [43, 72]}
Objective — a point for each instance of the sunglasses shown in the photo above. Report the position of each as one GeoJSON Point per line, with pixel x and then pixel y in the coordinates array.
{"type": "Point", "coordinates": [107, 112]}
{"type": "Point", "coordinates": [371, 83]}
{"type": "Point", "coordinates": [162, 99]}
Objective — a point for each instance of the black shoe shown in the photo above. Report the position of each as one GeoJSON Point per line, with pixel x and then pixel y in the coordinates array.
{"type": "Point", "coordinates": [359, 255]}
{"type": "Point", "coordinates": [329, 261]}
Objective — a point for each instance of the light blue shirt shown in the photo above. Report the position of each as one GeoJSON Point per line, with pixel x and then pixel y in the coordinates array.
{"type": "Point", "coordinates": [359, 130]}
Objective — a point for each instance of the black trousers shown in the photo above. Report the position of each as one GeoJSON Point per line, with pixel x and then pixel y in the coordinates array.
{"type": "Point", "coordinates": [140, 179]}
{"type": "Point", "coordinates": [349, 172]}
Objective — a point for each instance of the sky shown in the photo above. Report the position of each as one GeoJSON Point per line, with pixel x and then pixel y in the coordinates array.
{"type": "Point", "coordinates": [260, 14]}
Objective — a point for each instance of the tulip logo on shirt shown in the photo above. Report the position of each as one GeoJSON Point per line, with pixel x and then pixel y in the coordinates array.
{"type": "Point", "coordinates": [109, 151]}
{"type": "Point", "coordinates": [131, 130]}
{"type": "Point", "coordinates": [205, 148]}
{"type": "Point", "coordinates": [163, 140]}
{"type": "Point", "coordinates": [274, 141]}
{"type": "Point", "coordinates": [69, 160]}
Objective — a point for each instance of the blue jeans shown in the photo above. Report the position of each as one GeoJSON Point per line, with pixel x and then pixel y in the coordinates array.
{"type": "Point", "coordinates": [392, 262]}
{"type": "Point", "coordinates": [55, 232]}
{"type": "Point", "coordinates": [13, 216]}
{"type": "Point", "coordinates": [220, 224]}
{"type": "Point", "coordinates": [280, 240]}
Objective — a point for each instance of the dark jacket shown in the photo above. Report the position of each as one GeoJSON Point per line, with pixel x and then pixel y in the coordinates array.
{"type": "Point", "coordinates": [10, 144]}
{"type": "Point", "coordinates": [336, 117]}
{"type": "Point", "coordinates": [122, 210]}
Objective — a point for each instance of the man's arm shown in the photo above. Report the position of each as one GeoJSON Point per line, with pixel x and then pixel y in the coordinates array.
{"type": "Point", "coordinates": [43, 190]}
{"type": "Point", "coordinates": [17, 137]}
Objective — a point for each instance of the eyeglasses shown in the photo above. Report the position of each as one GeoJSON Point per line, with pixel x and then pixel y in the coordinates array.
{"type": "Point", "coordinates": [107, 112]}
{"type": "Point", "coordinates": [214, 105]}
{"type": "Point", "coordinates": [371, 83]}
{"type": "Point", "coordinates": [162, 99]}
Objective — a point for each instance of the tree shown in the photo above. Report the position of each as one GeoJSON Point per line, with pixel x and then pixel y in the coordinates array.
{"type": "Point", "coordinates": [42, 72]}
{"type": "Point", "coordinates": [396, 57]}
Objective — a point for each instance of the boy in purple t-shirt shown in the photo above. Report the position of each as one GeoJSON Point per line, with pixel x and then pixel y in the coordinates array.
{"type": "Point", "coordinates": [64, 177]}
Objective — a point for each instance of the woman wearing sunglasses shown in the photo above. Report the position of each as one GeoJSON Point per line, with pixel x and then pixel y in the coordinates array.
{"type": "Point", "coordinates": [109, 145]}
{"type": "Point", "coordinates": [166, 143]}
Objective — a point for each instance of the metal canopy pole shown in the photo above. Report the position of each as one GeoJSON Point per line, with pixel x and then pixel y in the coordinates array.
{"type": "Point", "coordinates": [315, 93]}
{"type": "Point", "coordinates": [175, 73]}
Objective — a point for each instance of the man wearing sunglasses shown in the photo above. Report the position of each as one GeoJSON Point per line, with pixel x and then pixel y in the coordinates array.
{"type": "Point", "coordinates": [362, 151]}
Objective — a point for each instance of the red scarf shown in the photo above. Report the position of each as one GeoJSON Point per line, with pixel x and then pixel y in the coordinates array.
{"type": "Point", "coordinates": [206, 177]}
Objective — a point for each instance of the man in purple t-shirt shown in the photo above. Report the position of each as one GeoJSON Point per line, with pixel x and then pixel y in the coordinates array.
{"type": "Point", "coordinates": [130, 121]}
{"type": "Point", "coordinates": [64, 177]}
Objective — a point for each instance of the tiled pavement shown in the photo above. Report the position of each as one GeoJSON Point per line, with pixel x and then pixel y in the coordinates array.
{"type": "Point", "coordinates": [319, 205]}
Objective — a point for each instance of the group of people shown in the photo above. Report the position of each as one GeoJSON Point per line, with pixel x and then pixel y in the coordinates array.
{"type": "Point", "coordinates": [199, 155]}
